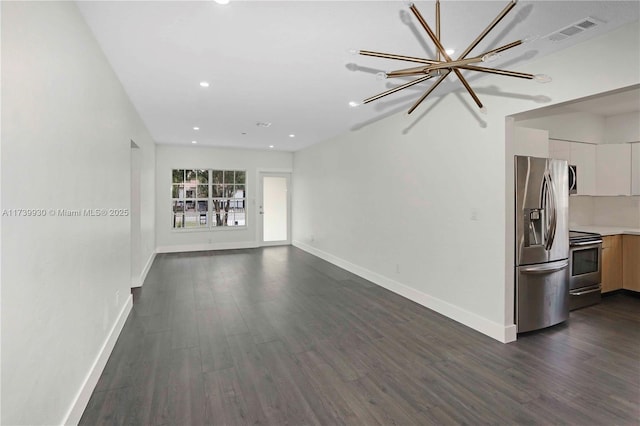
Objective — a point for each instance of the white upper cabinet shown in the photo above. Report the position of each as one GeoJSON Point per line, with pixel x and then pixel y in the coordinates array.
{"type": "Point", "coordinates": [613, 169]}
{"type": "Point", "coordinates": [635, 168]}
{"type": "Point", "coordinates": [583, 156]}
{"type": "Point", "coordinates": [560, 150]}
{"type": "Point", "coordinates": [531, 142]}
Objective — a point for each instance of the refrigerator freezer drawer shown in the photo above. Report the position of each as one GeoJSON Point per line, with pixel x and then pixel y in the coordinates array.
{"type": "Point", "coordinates": [542, 295]}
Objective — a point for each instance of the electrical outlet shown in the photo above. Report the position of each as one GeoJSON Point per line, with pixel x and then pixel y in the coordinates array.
{"type": "Point", "coordinates": [474, 215]}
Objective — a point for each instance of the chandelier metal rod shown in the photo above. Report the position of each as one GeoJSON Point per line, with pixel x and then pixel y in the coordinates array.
{"type": "Point", "coordinates": [425, 70]}
{"type": "Point", "coordinates": [428, 92]}
{"type": "Point", "coordinates": [438, 26]}
{"type": "Point", "coordinates": [486, 31]}
{"type": "Point", "coordinates": [421, 70]}
{"type": "Point", "coordinates": [502, 48]}
{"type": "Point", "coordinates": [453, 64]}
{"type": "Point", "coordinates": [398, 57]}
{"type": "Point", "coordinates": [499, 72]}
{"type": "Point", "coordinates": [396, 89]}
{"type": "Point", "coordinates": [406, 72]}
{"type": "Point", "coordinates": [442, 50]}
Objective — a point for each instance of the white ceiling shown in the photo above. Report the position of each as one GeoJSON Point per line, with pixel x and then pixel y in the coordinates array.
{"type": "Point", "coordinates": [287, 63]}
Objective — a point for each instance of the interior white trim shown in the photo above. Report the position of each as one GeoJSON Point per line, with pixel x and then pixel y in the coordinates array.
{"type": "Point", "coordinates": [206, 247]}
{"type": "Point", "coordinates": [74, 414]}
{"type": "Point", "coordinates": [492, 329]}
{"type": "Point", "coordinates": [145, 271]}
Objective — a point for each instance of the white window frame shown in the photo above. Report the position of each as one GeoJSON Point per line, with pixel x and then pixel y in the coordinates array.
{"type": "Point", "coordinates": [211, 215]}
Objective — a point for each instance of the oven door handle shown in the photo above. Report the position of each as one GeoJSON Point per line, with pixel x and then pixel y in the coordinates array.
{"type": "Point", "coordinates": [586, 243]}
{"type": "Point", "coordinates": [588, 290]}
{"type": "Point", "coordinates": [545, 269]}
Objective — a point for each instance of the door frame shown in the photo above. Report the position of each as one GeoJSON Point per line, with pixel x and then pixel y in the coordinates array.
{"type": "Point", "coordinates": [286, 173]}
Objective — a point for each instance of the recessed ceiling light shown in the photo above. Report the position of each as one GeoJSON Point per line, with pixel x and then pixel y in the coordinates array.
{"type": "Point", "coordinates": [450, 51]}
{"type": "Point", "coordinates": [292, 135]}
{"type": "Point", "coordinates": [270, 146]}
{"type": "Point", "coordinates": [222, 1]}
{"type": "Point", "coordinates": [196, 128]}
{"type": "Point", "coordinates": [194, 141]}
{"type": "Point", "coordinates": [204, 83]}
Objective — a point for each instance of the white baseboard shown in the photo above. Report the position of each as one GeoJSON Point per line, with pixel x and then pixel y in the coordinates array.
{"type": "Point", "coordinates": [81, 400]}
{"type": "Point", "coordinates": [492, 329]}
{"type": "Point", "coordinates": [206, 247]}
{"type": "Point", "coordinates": [140, 280]}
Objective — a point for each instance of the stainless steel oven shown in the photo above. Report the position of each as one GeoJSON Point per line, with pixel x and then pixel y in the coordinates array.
{"type": "Point", "coordinates": [585, 269]}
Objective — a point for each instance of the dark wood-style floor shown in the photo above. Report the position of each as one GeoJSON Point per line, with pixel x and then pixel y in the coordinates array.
{"type": "Point", "coordinates": [276, 336]}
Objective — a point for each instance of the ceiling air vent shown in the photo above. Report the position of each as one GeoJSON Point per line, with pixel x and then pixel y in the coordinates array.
{"type": "Point", "coordinates": [573, 29]}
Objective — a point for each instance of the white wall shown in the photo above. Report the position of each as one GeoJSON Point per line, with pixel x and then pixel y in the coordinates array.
{"type": "Point", "coordinates": [66, 130]}
{"type": "Point", "coordinates": [143, 162]}
{"type": "Point", "coordinates": [431, 195]}
{"type": "Point", "coordinates": [173, 157]}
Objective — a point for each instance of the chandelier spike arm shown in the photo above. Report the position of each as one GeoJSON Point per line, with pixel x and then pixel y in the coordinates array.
{"type": "Point", "coordinates": [396, 89]}
{"type": "Point", "coordinates": [442, 50]}
{"type": "Point", "coordinates": [501, 48]}
{"type": "Point", "coordinates": [398, 57]}
{"type": "Point", "coordinates": [407, 72]}
{"type": "Point", "coordinates": [486, 31]}
{"type": "Point", "coordinates": [466, 85]}
{"type": "Point", "coordinates": [425, 70]}
{"type": "Point", "coordinates": [432, 36]}
{"type": "Point", "coordinates": [428, 92]}
{"type": "Point", "coordinates": [438, 26]}
{"type": "Point", "coordinates": [499, 72]}
{"type": "Point", "coordinates": [453, 64]}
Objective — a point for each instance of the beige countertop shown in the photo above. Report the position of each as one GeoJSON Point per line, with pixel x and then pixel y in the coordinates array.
{"type": "Point", "coordinates": [606, 230]}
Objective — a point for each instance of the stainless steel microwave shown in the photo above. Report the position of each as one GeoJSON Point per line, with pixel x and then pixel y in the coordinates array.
{"type": "Point", "coordinates": [573, 179]}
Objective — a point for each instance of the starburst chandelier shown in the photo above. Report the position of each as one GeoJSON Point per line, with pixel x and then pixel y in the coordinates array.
{"type": "Point", "coordinates": [443, 65]}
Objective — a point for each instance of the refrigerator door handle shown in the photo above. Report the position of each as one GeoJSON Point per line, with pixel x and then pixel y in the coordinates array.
{"type": "Point", "coordinates": [550, 197]}
{"type": "Point", "coordinates": [544, 269]}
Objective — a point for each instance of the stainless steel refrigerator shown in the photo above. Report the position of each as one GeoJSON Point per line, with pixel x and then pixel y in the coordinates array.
{"type": "Point", "coordinates": [542, 242]}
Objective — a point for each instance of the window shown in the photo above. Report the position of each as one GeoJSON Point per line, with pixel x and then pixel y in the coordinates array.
{"type": "Point", "coordinates": [203, 199]}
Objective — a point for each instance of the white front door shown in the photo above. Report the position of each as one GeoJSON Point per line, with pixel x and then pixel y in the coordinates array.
{"type": "Point", "coordinates": [274, 209]}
